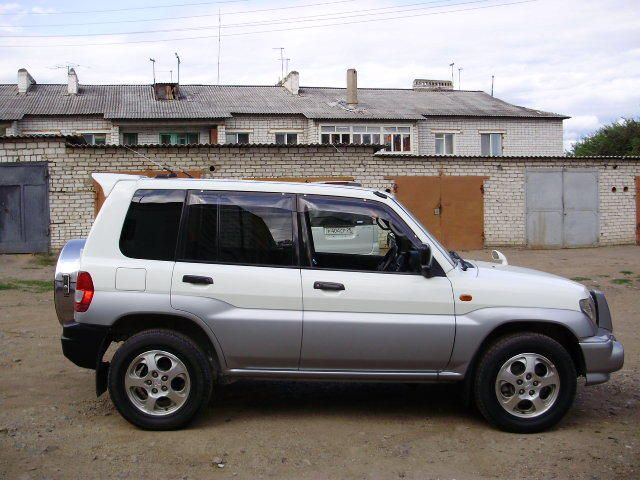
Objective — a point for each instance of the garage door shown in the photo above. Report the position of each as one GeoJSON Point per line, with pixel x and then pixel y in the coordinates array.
{"type": "Point", "coordinates": [562, 208]}
{"type": "Point", "coordinates": [24, 208]}
{"type": "Point", "coordinates": [450, 207]}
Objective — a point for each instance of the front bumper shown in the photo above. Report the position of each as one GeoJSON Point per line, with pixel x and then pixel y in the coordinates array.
{"type": "Point", "coordinates": [602, 354]}
{"type": "Point", "coordinates": [83, 344]}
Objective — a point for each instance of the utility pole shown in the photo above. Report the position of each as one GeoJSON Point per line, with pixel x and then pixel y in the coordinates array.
{"type": "Point", "coordinates": [153, 63]}
{"type": "Point", "coordinates": [219, 42]}
{"type": "Point", "coordinates": [281, 60]}
{"type": "Point", "coordinates": [451, 65]}
{"type": "Point", "coordinates": [492, 78]}
{"type": "Point", "coordinates": [459, 80]}
{"type": "Point", "coordinates": [178, 57]}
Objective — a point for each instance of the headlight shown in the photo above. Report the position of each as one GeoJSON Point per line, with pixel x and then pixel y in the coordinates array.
{"type": "Point", "coordinates": [588, 307]}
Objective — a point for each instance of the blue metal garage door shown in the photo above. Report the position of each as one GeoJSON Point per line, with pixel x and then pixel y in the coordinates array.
{"type": "Point", "coordinates": [24, 208]}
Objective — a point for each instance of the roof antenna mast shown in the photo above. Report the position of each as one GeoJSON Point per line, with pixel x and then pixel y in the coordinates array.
{"type": "Point", "coordinates": [153, 63]}
{"type": "Point", "coordinates": [178, 57]}
{"type": "Point", "coordinates": [459, 80]}
{"type": "Point", "coordinates": [282, 59]}
{"type": "Point", "coordinates": [492, 78]}
{"type": "Point", "coordinates": [451, 65]}
{"type": "Point", "coordinates": [219, 42]}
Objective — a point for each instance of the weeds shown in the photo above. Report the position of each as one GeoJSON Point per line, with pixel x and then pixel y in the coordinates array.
{"type": "Point", "coordinates": [44, 259]}
{"type": "Point", "coordinates": [580, 279]}
{"type": "Point", "coordinates": [626, 272]}
{"type": "Point", "coordinates": [621, 281]}
{"type": "Point", "coordinates": [31, 286]}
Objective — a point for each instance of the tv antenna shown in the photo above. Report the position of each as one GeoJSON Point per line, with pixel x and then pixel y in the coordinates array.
{"type": "Point", "coordinates": [178, 57]}
{"type": "Point", "coordinates": [282, 59]}
{"type": "Point", "coordinates": [459, 81]}
{"type": "Point", "coordinates": [153, 63]}
{"type": "Point", "coordinates": [451, 65]}
{"type": "Point", "coordinates": [492, 79]}
{"type": "Point", "coordinates": [219, 41]}
{"type": "Point", "coordinates": [67, 66]}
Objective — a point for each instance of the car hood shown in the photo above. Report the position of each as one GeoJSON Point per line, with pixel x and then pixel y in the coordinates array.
{"type": "Point", "coordinates": [495, 284]}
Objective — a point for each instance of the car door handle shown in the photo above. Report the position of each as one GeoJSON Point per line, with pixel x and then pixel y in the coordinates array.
{"type": "Point", "coordinates": [197, 280]}
{"type": "Point", "coordinates": [328, 286]}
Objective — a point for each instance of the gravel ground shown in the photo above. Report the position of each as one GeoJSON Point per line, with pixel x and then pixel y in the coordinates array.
{"type": "Point", "coordinates": [52, 426]}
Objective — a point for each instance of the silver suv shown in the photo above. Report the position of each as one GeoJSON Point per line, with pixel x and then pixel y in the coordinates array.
{"type": "Point", "coordinates": [204, 281]}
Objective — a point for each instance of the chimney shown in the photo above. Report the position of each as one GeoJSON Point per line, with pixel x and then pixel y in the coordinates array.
{"type": "Point", "coordinates": [352, 87]}
{"type": "Point", "coordinates": [72, 82]}
{"type": "Point", "coordinates": [24, 81]}
{"type": "Point", "coordinates": [291, 82]}
{"type": "Point", "coordinates": [422, 84]}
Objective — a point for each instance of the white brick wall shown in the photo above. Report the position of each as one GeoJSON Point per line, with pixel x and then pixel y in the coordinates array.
{"type": "Point", "coordinates": [72, 195]}
{"type": "Point", "coordinates": [520, 136]}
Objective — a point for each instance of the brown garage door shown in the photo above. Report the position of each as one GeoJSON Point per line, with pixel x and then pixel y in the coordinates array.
{"type": "Point", "coordinates": [450, 207]}
{"type": "Point", "coordinates": [99, 194]}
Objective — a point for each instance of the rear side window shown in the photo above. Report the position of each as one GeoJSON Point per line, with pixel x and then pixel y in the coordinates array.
{"type": "Point", "coordinates": [239, 228]}
{"type": "Point", "coordinates": [150, 229]}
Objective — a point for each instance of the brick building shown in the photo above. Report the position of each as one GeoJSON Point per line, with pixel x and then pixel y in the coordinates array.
{"type": "Point", "coordinates": [49, 176]}
{"type": "Point", "coordinates": [428, 119]}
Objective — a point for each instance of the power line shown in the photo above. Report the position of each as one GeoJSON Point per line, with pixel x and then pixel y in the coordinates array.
{"type": "Point", "coordinates": [308, 18]}
{"type": "Point", "coordinates": [108, 10]}
{"type": "Point", "coordinates": [199, 37]}
{"type": "Point", "coordinates": [203, 15]}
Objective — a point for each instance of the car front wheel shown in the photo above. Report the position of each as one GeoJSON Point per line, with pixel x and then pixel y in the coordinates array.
{"type": "Point", "coordinates": [525, 383]}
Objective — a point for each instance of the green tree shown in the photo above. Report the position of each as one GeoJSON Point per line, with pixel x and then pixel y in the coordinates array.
{"type": "Point", "coordinates": [621, 138]}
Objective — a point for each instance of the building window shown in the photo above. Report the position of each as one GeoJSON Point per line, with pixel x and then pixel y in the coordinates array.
{"type": "Point", "coordinates": [237, 137]}
{"type": "Point", "coordinates": [3, 130]}
{"type": "Point", "coordinates": [396, 139]}
{"type": "Point", "coordinates": [130, 138]}
{"type": "Point", "coordinates": [95, 138]}
{"type": "Point", "coordinates": [189, 138]}
{"type": "Point", "coordinates": [491, 144]}
{"type": "Point", "coordinates": [286, 138]}
{"type": "Point", "coordinates": [444, 143]}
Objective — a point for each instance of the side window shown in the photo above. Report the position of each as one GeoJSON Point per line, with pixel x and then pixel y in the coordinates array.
{"type": "Point", "coordinates": [256, 229]}
{"type": "Point", "coordinates": [150, 229]}
{"type": "Point", "coordinates": [353, 234]}
{"type": "Point", "coordinates": [239, 228]}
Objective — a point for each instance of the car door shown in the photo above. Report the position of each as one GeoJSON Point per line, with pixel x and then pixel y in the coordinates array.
{"type": "Point", "coordinates": [359, 318]}
{"type": "Point", "coordinates": [237, 270]}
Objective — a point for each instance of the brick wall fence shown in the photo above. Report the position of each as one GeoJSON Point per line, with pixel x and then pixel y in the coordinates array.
{"type": "Point", "coordinates": [72, 194]}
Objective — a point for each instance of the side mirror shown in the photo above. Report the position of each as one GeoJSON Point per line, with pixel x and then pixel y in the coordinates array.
{"type": "Point", "coordinates": [426, 260]}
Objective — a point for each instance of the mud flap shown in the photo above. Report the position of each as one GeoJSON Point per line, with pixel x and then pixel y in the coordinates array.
{"type": "Point", "coordinates": [102, 371]}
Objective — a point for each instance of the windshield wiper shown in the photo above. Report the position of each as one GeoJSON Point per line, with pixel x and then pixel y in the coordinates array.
{"type": "Point", "coordinates": [459, 259]}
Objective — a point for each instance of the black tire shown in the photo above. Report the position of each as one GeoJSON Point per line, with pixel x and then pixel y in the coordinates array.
{"type": "Point", "coordinates": [497, 354]}
{"type": "Point", "coordinates": [195, 360]}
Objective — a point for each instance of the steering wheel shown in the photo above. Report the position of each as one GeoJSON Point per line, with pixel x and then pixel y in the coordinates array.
{"type": "Point", "coordinates": [388, 259]}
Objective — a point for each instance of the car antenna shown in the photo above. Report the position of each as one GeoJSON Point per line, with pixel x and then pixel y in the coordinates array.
{"type": "Point", "coordinates": [157, 164]}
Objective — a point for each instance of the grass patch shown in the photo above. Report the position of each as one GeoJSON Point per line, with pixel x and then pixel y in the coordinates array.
{"type": "Point", "coordinates": [621, 281]}
{"type": "Point", "coordinates": [626, 272]}
{"type": "Point", "coordinates": [580, 279]}
{"type": "Point", "coordinates": [603, 276]}
{"type": "Point", "coordinates": [44, 259]}
{"type": "Point", "coordinates": [31, 286]}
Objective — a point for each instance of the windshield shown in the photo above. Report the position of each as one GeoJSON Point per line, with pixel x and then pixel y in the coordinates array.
{"type": "Point", "coordinates": [432, 240]}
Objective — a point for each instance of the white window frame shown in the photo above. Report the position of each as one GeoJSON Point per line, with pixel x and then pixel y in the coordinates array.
{"type": "Point", "coordinates": [443, 136]}
{"type": "Point", "coordinates": [286, 137]}
{"type": "Point", "coordinates": [490, 154]}
{"type": "Point", "coordinates": [93, 137]}
{"type": "Point", "coordinates": [358, 134]}
{"type": "Point", "coordinates": [236, 132]}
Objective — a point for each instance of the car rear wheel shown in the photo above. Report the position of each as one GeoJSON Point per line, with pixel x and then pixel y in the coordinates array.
{"type": "Point", "coordinates": [160, 380]}
{"type": "Point", "coordinates": [525, 383]}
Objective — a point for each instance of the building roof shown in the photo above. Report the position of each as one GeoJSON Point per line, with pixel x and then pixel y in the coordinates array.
{"type": "Point", "coordinates": [136, 102]}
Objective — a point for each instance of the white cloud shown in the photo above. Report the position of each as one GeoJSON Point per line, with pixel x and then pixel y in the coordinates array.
{"type": "Point", "coordinates": [576, 57]}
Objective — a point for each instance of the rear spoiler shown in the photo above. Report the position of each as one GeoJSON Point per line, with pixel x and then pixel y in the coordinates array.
{"type": "Point", "coordinates": [108, 180]}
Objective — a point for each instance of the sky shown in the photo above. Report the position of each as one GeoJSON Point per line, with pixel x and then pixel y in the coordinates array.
{"type": "Point", "coordinates": [580, 58]}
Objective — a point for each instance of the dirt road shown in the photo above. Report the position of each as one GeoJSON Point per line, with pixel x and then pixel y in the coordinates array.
{"type": "Point", "coordinates": [52, 426]}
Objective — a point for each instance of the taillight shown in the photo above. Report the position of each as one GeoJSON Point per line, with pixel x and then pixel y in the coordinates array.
{"type": "Point", "coordinates": [84, 292]}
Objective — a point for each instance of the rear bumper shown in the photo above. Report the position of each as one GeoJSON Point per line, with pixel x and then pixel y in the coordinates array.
{"type": "Point", "coordinates": [83, 343]}
{"type": "Point", "coordinates": [602, 354]}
